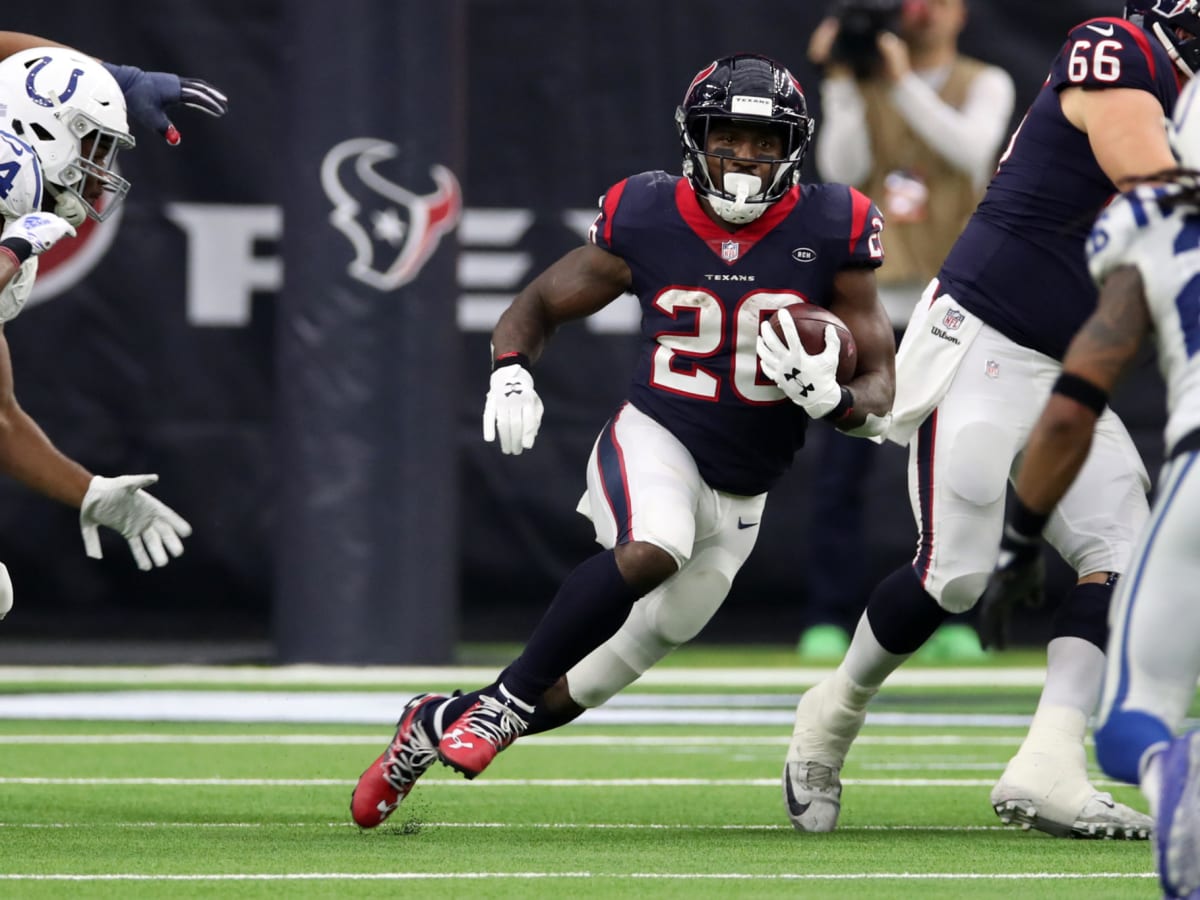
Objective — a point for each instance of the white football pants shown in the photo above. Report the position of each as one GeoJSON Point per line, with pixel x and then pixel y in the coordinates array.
{"type": "Point", "coordinates": [643, 485]}
{"type": "Point", "coordinates": [967, 449]}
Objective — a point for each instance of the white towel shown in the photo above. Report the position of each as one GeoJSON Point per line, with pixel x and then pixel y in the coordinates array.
{"type": "Point", "coordinates": [934, 343]}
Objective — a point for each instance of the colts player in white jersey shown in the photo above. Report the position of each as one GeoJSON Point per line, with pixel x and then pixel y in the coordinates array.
{"type": "Point", "coordinates": [62, 124]}
{"type": "Point", "coordinates": [1144, 252]}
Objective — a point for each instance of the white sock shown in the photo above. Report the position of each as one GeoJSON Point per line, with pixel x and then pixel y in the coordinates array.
{"type": "Point", "coordinates": [866, 663]}
{"type": "Point", "coordinates": [1057, 731]}
{"type": "Point", "coordinates": [1074, 675]}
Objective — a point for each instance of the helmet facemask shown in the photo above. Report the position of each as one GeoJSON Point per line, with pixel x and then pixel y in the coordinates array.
{"type": "Point", "coordinates": [94, 164]}
{"type": "Point", "coordinates": [740, 197]}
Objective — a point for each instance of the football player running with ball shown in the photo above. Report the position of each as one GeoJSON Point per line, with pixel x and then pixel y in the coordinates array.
{"type": "Point", "coordinates": [677, 479]}
{"type": "Point", "coordinates": [1144, 251]}
{"type": "Point", "coordinates": [62, 124]}
{"type": "Point", "coordinates": [977, 362]}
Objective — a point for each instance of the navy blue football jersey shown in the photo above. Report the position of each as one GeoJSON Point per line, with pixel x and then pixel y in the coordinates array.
{"type": "Point", "coordinates": [704, 293]}
{"type": "Point", "coordinates": [1020, 263]}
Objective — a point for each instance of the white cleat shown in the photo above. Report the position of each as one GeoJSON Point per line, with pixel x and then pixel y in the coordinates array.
{"type": "Point", "coordinates": [1049, 793]}
{"type": "Point", "coordinates": [828, 718]}
{"type": "Point", "coordinates": [813, 795]}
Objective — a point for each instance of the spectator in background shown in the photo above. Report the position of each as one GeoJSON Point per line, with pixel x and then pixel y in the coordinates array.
{"type": "Point", "coordinates": [916, 126]}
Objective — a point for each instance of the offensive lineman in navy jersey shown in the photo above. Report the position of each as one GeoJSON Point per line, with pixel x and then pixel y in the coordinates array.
{"type": "Point", "coordinates": [978, 360]}
{"type": "Point", "coordinates": [677, 480]}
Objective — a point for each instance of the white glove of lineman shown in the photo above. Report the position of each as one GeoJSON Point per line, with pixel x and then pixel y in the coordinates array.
{"type": "Point", "coordinates": [150, 526]}
{"type": "Point", "coordinates": [42, 229]}
{"type": "Point", "coordinates": [810, 381]}
{"type": "Point", "coordinates": [513, 410]}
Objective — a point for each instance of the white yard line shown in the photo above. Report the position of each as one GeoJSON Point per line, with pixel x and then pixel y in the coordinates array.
{"type": "Point", "coordinates": [632, 876]}
{"type": "Point", "coordinates": [381, 708]}
{"type": "Point", "coordinates": [425, 676]}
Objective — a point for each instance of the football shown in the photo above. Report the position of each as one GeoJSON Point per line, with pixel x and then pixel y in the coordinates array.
{"type": "Point", "coordinates": [810, 325]}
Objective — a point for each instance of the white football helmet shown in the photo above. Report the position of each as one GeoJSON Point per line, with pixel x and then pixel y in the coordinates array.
{"type": "Point", "coordinates": [71, 111]}
{"type": "Point", "coordinates": [1183, 131]}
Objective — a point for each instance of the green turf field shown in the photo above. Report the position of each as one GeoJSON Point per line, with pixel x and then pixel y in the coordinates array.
{"type": "Point", "coordinates": [154, 808]}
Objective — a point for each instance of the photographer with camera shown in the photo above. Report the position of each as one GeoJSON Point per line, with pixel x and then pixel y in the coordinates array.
{"type": "Point", "coordinates": [917, 127]}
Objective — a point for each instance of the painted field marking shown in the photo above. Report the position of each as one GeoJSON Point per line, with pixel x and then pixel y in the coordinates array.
{"type": "Point", "coordinates": [424, 676]}
{"type": "Point", "coordinates": [617, 876]}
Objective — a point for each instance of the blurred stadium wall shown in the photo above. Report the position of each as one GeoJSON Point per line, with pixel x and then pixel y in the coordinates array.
{"type": "Point", "coordinates": [311, 394]}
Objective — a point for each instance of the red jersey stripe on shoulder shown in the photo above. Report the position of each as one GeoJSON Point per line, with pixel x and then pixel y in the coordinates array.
{"type": "Point", "coordinates": [611, 201]}
{"type": "Point", "coordinates": [1138, 35]}
{"type": "Point", "coordinates": [860, 205]}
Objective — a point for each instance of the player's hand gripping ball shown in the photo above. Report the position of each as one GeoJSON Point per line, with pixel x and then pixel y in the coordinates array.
{"type": "Point", "coordinates": [810, 322]}
{"type": "Point", "coordinates": [801, 349]}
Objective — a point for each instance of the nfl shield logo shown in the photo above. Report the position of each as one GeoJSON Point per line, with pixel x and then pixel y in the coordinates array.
{"type": "Point", "coordinates": [992, 369]}
{"type": "Point", "coordinates": [953, 319]}
{"type": "Point", "coordinates": [729, 250]}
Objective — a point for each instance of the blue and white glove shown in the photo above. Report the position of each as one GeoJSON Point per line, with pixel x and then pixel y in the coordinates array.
{"type": "Point", "coordinates": [148, 94]}
{"type": "Point", "coordinates": [151, 527]}
{"type": "Point", "coordinates": [513, 410]}
{"type": "Point", "coordinates": [40, 230]}
{"type": "Point", "coordinates": [809, 380]}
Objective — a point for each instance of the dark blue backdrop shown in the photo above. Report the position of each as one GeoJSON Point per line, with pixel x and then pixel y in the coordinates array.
{"type": "Point", "coordinates": [163, 358]}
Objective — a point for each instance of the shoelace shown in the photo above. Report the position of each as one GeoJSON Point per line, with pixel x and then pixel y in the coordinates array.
{"type": "Point", "coordinates": [406, 765]}
{"type": "Point", "coordinates": [496, 722]}
{"type": "Point", "coordinates": [818, 776]}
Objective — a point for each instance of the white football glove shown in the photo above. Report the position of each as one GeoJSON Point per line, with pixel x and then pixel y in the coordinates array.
{"type": "Point", "coordinates": [151, 527]}
{"type": "Point", "coordinates": [513, 410]}
{"type": "Point", "coordinates": [6, 591]}
{"type": "Point", "coordinates": [42, 229]}
{"type": "Point", "coordinates": [809, 380]}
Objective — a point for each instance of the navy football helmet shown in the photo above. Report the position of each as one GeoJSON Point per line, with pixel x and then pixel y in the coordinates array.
{"type": "Point", "coordinates": [745, 88]}
{"type": "Point", "coordinates": [1165, 19]}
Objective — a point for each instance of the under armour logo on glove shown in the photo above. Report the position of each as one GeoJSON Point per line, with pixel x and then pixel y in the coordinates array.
{"type": "Point", "coordinates": [808, 379]}
{"type": "Point", "coordinates": [512, 387]}
{"type": "Point", "coordinates": [802, 388]}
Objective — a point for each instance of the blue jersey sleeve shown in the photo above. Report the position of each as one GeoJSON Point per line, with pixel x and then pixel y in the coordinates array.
{"type": "Point", "coordinates": [1108, 53]}
{"type": "Point", "coordinates": [851, 225]}
{"type": "Point", "coordinates": [626, 211]}
{"type": "Point", "coordinates": [602, 231]}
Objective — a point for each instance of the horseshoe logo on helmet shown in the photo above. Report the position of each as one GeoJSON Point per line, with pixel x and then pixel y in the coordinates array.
{"type": "Point", "coordinates": [51, 101]}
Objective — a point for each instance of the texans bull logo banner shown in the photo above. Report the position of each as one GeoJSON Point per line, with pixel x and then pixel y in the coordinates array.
{"type": "Point", "coordinates": [393, 231]}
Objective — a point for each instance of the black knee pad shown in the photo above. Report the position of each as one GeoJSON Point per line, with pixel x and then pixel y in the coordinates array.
{"type": "Point", "coordinates": [1084, 613]}
{"type": "Point", "coordinates": [901, 614]}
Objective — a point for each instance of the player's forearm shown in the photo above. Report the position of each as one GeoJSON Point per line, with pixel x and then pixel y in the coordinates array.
{"type": "Point", "coordinates": [1057, 450]}
{"type": "Point", "coordinates": [28, 456]}
{"type": "Point", "coordinates": [873, 393]}
{"type": "Point", "coordinates": [9, 267]}
{"type": "Point", "coordinates": [521, 328]}
{"type": "Point", "coordinates": [15, 41]}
